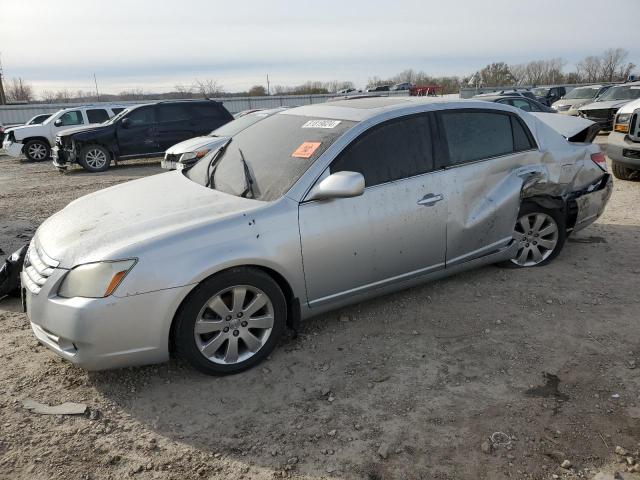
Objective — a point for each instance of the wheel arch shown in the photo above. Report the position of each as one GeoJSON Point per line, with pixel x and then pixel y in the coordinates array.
{"type": "Point", "coordinates": [293, 303]}
{"type": "Point", "coordinates": [35, 137]}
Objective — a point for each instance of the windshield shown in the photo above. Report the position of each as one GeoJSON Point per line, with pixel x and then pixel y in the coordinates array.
{"type": "Point", "coordinates": [540, 92]}
{"type": "Point", "coordinates": [236, 126]}
{"type": "Point", "coordinates": [582, 93]}
{"type": "Point", "coordinates": [273, 153]}
{"type": "Point", "coordinates": [621, 92]}
{"type": "Point", "coordinates": [52, 117]}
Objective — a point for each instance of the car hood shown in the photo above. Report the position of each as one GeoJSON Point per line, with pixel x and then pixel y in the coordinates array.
{"type": "Point", "coordinates": [574, 103]}
{"type": "Point", "coordinates": [83, 128]}
{"type": "Point", "coordinates": [194, 144]}
{"type": "Point", "coordinates": [25, 130]}
{"type": "Point", "coordinates": [604, 105]}
{"type": "Point", "coordinates": [630, 107]}
{"type": "Point", "coordinates": [119, 220]}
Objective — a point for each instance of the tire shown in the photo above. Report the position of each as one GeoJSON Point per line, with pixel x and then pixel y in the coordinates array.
{"type": "Point", "coordinates": [622, 172]}
{"type": "Point", "coordinates": [210, 307]}
{"type": "Point", "coordinates": [95, 158]}
{"type": "Point", "coordinates": [37, 150]}
{"type": "Point", "coordinates": [541, 222]}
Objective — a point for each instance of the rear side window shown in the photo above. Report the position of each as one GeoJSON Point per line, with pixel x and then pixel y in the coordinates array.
{"type": "Point", "coordinates": [97, 116]}
{"type": "Point", "coordinates": [472, 135]}
{"type": "Point", "coordinates": [209, 110]}
{"type": "Point", "coordinates": [391, 151]}
{"type": "Point", "coordinates": [173, 113]}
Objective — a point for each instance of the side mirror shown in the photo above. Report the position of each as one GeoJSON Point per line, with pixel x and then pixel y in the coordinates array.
{"type": "Point", "coordinates": [338, 185]}
{"type": "Point", "coordinates": [58, 122]}
{"type": "Point", "coordinates": [125, 122]}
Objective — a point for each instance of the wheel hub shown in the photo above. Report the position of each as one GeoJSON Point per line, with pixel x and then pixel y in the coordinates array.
{"type": "Point", "coordinates": [537, 236]}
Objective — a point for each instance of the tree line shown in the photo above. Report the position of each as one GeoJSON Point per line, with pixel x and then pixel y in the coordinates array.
{"type": "Point", "coordinates": [610, 66]}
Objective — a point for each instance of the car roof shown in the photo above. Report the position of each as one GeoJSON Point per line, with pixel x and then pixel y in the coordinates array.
{"type": "Point", "coordinates": [364, 108]}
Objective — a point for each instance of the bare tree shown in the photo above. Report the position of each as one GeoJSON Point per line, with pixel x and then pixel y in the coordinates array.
{"type": "Point", "coordinates": [589, 69]}
{"type": "Point", "coordinates": [184, 91]}
{"type": "Point", "coordinates": [208, 87]}
{"type": "Point", "coordinates": [612, 63]}
{"type": "Point", "coordinates": [257, 91]}
{"type": "Point", "coordinates": [48, 96]}
{"type": "Point", "coordinates": [63, 96]}
{"type": "Point", "coordinates": [19, 91]}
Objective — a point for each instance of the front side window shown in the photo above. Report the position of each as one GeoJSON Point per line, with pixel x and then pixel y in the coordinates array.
{"type": "Point", "coordinates": [397, 149]}
{"type": "Point", "coordinates": [71, 118]}
{"type": "Point", "coordinates": [97, 115]}
{"type": "Point", "coordinates": [472, 135]}
{"type": "Point", "coordinates": [141, 117]}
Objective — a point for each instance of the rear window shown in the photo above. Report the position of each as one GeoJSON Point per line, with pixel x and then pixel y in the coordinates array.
{"type": "Point", "coordinates": [277, 151]}
{"type": "Point", "coordinates": [478, 135]}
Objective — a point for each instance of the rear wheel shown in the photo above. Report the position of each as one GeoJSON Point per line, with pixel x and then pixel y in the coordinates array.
{"type": "Point", "coordinates": [540, 233]}
{"type": "Point", "coordinates": [37, 150]}
{"type": "Point", "coordinates": [622, 172]}
{"type": "Point", "coordinates": [231, 321]}
{"type": "Point", "coordinates": [95, 158]}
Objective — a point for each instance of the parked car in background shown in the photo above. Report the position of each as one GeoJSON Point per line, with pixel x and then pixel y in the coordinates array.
{"type": "Point", "coordinates": [402, 86]}
{"type": "Point", "coordinates": [141, 131]}
{"type": "Point", "coordinates": [379, 88]}
{"type": "Point", "coordinates": [344, 91]}
{"type": "Point", "coordinates": [549, 95]}
{"type": "Point", "coordinates": [623, 144]}
{"type": "Point", "coordinates": [184, 154]}
{"type": "Point", "coordinates": [35, 141]}
{"type": "Point", "coordinates": [308, 210]}
{"type": "Point", "coordinates": [578, 97]}
{"type": "Point", "coordinates": [242, 113]}
{"type": "Point", "coordinates": [604, 109]}
{"type": "Point", "coordinates": [36, 120]}
{"type": "Point", "coordinates": [508, 93]}
{"type": "Point", "coordinates": [523, 103]}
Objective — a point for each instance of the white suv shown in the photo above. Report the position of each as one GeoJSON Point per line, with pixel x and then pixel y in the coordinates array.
{"type": "Point", "coordinates": [35, 141]}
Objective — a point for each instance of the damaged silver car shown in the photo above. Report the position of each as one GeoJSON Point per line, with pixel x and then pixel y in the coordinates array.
{"type": "Point", "coordinates": [308, 210]}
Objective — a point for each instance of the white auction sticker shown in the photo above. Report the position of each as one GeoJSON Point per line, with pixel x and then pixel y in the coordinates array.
{"type": "Point", "coordinates": [321, 124]}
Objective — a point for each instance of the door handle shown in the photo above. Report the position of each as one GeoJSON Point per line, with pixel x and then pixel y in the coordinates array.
{"type": "Point", "coordinates": [430, 199]}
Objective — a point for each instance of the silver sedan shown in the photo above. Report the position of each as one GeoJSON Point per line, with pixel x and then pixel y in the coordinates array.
{"type": "Point", "coordinates": [306, 211]}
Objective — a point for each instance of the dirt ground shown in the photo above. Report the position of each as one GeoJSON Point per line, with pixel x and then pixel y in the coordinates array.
{"type": "Point", "coordinates": [443, 381]}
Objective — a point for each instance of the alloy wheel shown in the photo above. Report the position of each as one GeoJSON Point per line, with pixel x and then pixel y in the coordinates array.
{"type": "Point", "coordinates": [234, 324]}
{"type": "Point", "coordinates": [37, 151]}
{"type": "Point", "coordinates": [95, 158]}
{"type": "Point", "coordinates": [537, 236]}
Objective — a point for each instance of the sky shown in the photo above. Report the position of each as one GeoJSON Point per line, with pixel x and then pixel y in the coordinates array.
{"type": "Point", "coordinates": [155, 45]}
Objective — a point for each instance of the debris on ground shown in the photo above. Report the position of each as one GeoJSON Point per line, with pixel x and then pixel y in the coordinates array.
{"type": "Point", "coordinates": [66, 408]}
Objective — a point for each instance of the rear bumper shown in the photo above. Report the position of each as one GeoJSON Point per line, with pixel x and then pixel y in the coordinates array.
{"type": "Point", "coordinates": [621, 149]}
{"type": "Point", "coordinates": [13, 149]}
{"type": "Point", "coordinates": [592, 201]}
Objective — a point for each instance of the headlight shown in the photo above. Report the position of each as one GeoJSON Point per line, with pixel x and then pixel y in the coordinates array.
{"type": "Point", "coordinates": [94, 280]}
{"type": "Point", "coordinates": [197, 154]}
{"type": "Point", "coordinates": [622, 123]}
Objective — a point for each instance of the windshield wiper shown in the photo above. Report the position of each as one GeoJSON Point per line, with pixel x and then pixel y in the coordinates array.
{"type": "Point", "coordinates": [213, 164]}
{"type": "Point", "coordinates": [247, 177]}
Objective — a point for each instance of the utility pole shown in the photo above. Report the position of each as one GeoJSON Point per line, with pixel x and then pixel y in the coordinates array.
{"type": "Point", "coordinates": [96, 82]}
{"type": "Point", "coordinates": [3, 97]}
{"type": "Point", "coordinates": [268, 89]}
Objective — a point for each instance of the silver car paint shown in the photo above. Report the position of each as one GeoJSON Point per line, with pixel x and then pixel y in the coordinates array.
{"type": "Point", "coordinates": [182, 232]}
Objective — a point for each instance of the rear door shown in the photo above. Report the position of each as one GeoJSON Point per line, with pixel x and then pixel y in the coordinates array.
{"type": "Point", "coordinates": [394, 231]}
{"type": "Point", "coordinates": [488, 154]}
{"type": "Point", "coordinates": [175, 124]}
{"type": "Point", "coordinates": [139, 137]}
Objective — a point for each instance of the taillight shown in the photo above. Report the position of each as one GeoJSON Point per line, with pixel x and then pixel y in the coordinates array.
{"type": "Point", "coordinates": [600, 160]}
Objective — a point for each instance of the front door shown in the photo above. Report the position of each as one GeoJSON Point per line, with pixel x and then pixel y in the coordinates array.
{"type": "Point", "coordinates": [393, 232]}
{"type": "Point", "coordinates": [139, 136]}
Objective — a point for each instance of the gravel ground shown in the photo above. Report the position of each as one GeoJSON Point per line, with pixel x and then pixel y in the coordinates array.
{"type": "Point", "coordinates": [407, 386]}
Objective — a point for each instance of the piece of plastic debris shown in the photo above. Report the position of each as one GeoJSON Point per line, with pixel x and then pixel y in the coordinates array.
{"type": "Point", "coordinates": [615, 395]}
{"type": "Point", "coordinates": [66, 408]}
{"type": "Point", "coordinates": [500, 438]}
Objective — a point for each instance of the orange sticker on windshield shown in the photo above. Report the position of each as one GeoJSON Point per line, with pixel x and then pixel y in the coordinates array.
{"type": "Point", "coordinates": [306, 150]}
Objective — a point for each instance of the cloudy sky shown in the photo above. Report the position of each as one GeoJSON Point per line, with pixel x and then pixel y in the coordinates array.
{"type": "Point", "coordinates": [156, 44]}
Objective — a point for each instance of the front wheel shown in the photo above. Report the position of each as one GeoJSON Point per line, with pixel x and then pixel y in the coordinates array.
{"type": "Point", "coordinates": [540, 233]}
{"type": "Point", "coordinates": [95, 158]}
{"type": "Point", "coordinates": [231, 321]}
{"type": "Point", "coordinates": [37, 150]}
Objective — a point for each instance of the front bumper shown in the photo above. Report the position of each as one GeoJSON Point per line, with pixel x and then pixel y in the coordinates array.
{"type": "Point", "coordinates": [622, 150]}
{"type": "Point", "coordinates": [62, 156]}
{"type": "Point", "coordinates": [13, 149]}
{"type": "Point", "coordinates": [592, 201]}
{"type": "Point", "coordinates": [103, 333]}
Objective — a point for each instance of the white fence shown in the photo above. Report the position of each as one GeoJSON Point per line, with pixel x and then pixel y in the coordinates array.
{"type": "Point", "coordinates": [14, 114]}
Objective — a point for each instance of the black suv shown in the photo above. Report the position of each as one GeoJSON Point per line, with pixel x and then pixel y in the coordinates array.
{"type": "Point", "coordinates": [141, 131]}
